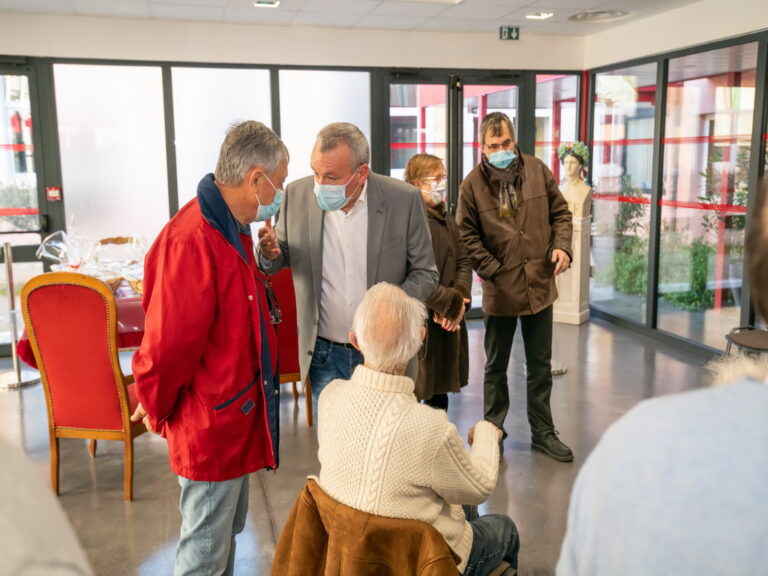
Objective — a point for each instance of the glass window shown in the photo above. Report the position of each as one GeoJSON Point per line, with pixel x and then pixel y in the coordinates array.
{"type": "Point", "coordinates": [18, 179]}
{"type": "Point", "coordinates": [417, 123]}
{"type": "Point", "coordinates": [479, 101]}
{"type": "Point", "coordinates": [624, 109]}
{"type": "Point", "coordinates": [203, 112]}
{"type": "Point", "coordinates": [707, 136]}
{"type": "Point", "coordinates": [311, 99]}
{"type": "Point", "coordinates": [556, 115]}
{"type": "Point", "coordinates": [22, 272]}
{"type": "Point", "coordinates": [112, 143]}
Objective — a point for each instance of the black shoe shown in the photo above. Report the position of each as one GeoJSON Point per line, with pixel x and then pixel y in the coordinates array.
{"type": "Point", "coordinates": [550, 444]}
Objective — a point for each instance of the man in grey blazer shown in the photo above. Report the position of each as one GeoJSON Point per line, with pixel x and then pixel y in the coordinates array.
{"type": "Point", "coordinates": [341, 231]}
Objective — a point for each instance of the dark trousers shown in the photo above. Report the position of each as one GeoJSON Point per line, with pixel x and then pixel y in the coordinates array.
{"type": "Point", "coordinates": [537, 339]}
{"type": "Point", "coordinates": [439, 401]}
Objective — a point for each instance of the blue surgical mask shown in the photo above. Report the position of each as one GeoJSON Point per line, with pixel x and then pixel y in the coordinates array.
{"type": "Point", "coordinates": [332, 197]}
{"type": "Point", "coordinates": [502, 158]}
{"type": "Point", "coordinates": [266, 212]}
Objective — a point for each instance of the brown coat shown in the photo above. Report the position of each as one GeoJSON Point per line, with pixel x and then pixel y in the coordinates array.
{"type": "Point", "coordinates": [512, 255]}
{"type": "Point", "coordinates": [323, 537]}
{"type": "Point", "coordinates": [444, 358]}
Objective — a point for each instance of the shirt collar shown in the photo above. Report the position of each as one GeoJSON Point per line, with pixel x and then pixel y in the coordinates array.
{"type": "Point", "coordinates": [362, 200]}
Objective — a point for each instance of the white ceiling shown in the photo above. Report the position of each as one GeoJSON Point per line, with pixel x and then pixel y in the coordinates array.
{"type": "Point", "coordinates": [467, 16]}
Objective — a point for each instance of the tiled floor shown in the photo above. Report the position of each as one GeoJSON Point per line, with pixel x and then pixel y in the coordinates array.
{"type": "Point", "coordinates": [609, 371]}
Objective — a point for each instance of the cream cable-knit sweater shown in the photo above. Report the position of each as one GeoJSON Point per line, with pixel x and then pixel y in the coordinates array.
{"type": "Point", "coordinates": [384, 453]}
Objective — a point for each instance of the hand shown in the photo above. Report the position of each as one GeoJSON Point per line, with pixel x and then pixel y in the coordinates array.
{"type": "Point", "coordinates": [270, 248]}
{"type": "Point", "coordinates": [561, 258]}
{"type": "Point", "coordinates": [141, 414]}
{"type": "Point", "coordinates": [450, 325]}
{"type": "Point", "coordinates": [471, 434]}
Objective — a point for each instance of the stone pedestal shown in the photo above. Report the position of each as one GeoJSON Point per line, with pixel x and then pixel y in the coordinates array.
{"type": "Point", "coordinates": [572, 305]}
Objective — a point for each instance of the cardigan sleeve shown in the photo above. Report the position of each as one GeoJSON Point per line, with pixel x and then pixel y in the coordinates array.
{"type": "Point", "coordinates": [462, 477]}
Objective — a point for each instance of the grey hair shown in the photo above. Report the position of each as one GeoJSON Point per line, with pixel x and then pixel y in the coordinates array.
{"type": "Point", "coordinates": [246, 145]}
{"type": "Point", "coordinates": [493, 123]}
{"type": "Point", "coordinates": [333, 134]}
{"type": "Point", "coordinates": [388, 327]}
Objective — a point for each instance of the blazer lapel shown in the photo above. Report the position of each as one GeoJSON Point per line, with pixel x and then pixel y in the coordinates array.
{"type": "Point", "coordinates": [377, 216]}
{"type": "Point", "coordinates": [316, 244]}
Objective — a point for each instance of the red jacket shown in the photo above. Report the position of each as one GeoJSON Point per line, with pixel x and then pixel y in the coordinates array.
{"type": "Point", "coordinates": [206, 371]}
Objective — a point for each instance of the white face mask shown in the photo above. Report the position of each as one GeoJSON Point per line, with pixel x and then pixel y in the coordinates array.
{"type": "Point", "coordinates": [437, 192]}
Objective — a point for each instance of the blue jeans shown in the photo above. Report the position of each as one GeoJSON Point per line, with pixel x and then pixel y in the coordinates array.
{"type": "Point", "coordinates": [329, 362]}
{"type": "Point", "coordinates": [495, 539]}
{"type": "Point", "coordinates": [213, 513]}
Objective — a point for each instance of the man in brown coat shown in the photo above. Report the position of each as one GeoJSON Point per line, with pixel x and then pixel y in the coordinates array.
{"type": "Point", "coordinates": [517, 229]}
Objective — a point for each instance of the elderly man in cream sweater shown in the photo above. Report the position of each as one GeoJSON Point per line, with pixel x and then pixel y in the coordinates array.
{"type": "Point", "coordinates": [384, 453]}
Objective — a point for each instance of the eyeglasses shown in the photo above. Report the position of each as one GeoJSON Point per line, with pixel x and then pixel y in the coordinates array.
{"type": "Point", "coordinates": [503, 146]}
{"type": "Point", "coordinates": [437, 179]}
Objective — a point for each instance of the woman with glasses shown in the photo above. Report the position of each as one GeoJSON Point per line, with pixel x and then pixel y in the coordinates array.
{"type": "Point", "coordinates": [444, 357]}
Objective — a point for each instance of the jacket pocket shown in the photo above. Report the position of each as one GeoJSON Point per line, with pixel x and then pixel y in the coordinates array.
{"type": "Point", "coordinates": [236, 396]}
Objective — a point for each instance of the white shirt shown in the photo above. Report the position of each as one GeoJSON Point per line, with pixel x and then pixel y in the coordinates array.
{"type": "Point", "coordinates": [345, 268]}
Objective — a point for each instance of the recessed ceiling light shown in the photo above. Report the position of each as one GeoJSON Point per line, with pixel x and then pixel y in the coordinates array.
{"type": "Point", "coordinates": [599, 16]}
{"type": "Point", "coordinates": [449, 2]}
{"type": "Point", "coordinates": [543, 15]}
{"type": "Point", "coordinates": [266, 3]}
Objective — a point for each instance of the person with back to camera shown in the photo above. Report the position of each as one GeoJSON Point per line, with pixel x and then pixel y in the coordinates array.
{"type": "Point", "coordinates": [516, 228]}
{"type": "Point", "coordinates": [678, 484]}
{"type": "Point", "coordinates": [444, 357]}
{"type": "Point", "coordinates": [384, 453]}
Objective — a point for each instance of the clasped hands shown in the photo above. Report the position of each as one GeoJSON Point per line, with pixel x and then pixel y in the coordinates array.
{"type": "Point", "coordinates": [450, 325]}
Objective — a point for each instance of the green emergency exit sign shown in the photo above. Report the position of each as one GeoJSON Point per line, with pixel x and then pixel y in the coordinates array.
{"type": "Point", "coordinates": [509, 33]}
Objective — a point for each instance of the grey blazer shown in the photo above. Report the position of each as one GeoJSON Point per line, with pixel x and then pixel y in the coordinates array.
{"type": "Point", "coordinates": [399, 248]}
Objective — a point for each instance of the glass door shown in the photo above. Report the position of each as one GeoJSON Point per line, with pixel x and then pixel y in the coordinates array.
{"type": "Point", "coordinates": [418, 123]}
{"type": "Point", "coordinates": [20, 214]}
{"type": "Point", "coordinates": [478, 101]}
{"type": "Point", "coordinates": [440, 114]}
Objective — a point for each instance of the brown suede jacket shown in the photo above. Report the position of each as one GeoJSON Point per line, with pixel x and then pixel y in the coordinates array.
{"type": "Point", "coordinates": [323, 537]}
{"type": "Point", "coordinates": [512, 254]}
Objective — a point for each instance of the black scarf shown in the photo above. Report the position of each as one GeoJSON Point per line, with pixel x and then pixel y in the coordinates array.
{"type": "Point", "coordinates": [508, 181]}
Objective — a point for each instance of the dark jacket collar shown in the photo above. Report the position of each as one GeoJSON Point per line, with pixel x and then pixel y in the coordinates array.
{"type": "Point", "coordinates": [218, 214]}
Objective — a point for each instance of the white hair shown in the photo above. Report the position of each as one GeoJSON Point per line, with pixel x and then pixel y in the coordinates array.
{"type": "Point", "coordinates": [388, 326]}
{"type": "Point", "coordinates": [246, 145]}
{"type": "Point", "coordinates": [730, 368]}
{"type": "Point", "coordinates": [332, 135]}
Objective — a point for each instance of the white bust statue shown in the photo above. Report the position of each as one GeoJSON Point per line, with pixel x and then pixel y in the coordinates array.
{"type": "Point", "coordinates": [577, 193]}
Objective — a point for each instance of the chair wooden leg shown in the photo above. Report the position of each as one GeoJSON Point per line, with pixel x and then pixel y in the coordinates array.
{"type": "Point", "coordinates": [295, 392]}
{"type": "Point", "coordinates": [92, 448]}
{"type": "Point", "coordinates": [308, 400]}
{"type": "Point", "coordinates": [54, 442]}
{"type": "Point", "coordinates": [128, 471]}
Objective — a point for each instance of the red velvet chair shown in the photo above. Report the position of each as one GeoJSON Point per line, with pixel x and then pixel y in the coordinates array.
{"type": "Point", "coordinates": [71, 321]}
{"type": "Point", "coordinates": [288, 337]}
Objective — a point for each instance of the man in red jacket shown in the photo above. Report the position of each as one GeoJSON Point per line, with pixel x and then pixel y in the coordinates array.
{"type": "Point", "coordinates": [206, 372]}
